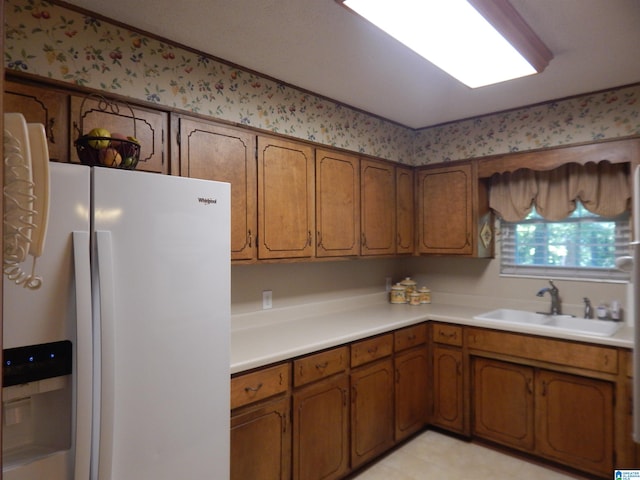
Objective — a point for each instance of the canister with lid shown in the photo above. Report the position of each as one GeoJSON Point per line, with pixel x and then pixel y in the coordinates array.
{"type": "Point", "coordinates": [414, 298]}
{"type": "Point", "coordinates": [409, 284]}
{"type": "Point", "coordinates": [398, 294]}
{"type": "Point", "coordinates": [425, 295]}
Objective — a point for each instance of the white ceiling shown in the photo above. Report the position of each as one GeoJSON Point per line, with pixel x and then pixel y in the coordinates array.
{"type": "Point", "coordinates": [318, 45]}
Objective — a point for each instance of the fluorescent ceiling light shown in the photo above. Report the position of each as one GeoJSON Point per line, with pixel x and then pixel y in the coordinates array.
{"type": "Point", "coordinates": [455, 37]}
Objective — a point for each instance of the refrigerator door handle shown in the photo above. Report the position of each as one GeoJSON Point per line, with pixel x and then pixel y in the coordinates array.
{"type": "Point", "coordinates": [107, 352]}
{"type": "Point", "coordinates": [84, 356]}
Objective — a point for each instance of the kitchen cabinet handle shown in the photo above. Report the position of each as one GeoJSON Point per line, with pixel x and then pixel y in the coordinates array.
{"type": "Point", "coordinates": [411, 337]}
{"type": "Point", "coordinates": [530, 385]}
{"type": "Point", "coordinates": [544, 388]}
{"type": "Point", "coordinates": [50, 125]}
{"type": "Point", "coordinates": [249, 237]}
{"type": "Point", "coordinates": [309, 239]}
{"type": "Point", "coordinates": [448, 335]}
{"type": "Point", "coordinates": [253, 389]}
{"type": "Point", "coordinates": [319, 242]}
{"type": "Point", "coordinates": [372, 350]}
{"type": "Point", "coordinates": [364, 240]}
{"type": "Point", "coordinates": [459, 368]}
{"type": "Point", "coordinates": [322, 366]}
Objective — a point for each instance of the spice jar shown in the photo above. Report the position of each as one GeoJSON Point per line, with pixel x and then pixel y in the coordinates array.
{"type": "Point", "coordinates": [425, 295]}
{"type": "Point", "coordinates": [398, 294]}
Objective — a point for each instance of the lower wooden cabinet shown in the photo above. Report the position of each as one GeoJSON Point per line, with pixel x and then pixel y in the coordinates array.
{"type": "Point", "coordinates": [261, 442]}
{"type": "Point", "coordinates": [563, 417]}
{"type": "Point", "coordinates": [503, 402]}
{"type": "Point", "coordinates": [371, 411]}
{"type": "Point", "coordinates": [321, 430]}
{"type": "Point", "coordinates": [411, 391]}
{"type": "Point", "coordinates": [448, 389]}
{"type": "Point", "coordinates": [574, 421]}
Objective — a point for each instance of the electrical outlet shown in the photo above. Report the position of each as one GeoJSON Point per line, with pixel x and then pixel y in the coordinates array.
{"type": "Point", "coordinates": [387, 284]}
{"type": "Point", "coordinates": [267, 299]}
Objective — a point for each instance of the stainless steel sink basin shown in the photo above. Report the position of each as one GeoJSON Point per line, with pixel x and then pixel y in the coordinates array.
{"type": "Point", "coordinates": [552, 322]}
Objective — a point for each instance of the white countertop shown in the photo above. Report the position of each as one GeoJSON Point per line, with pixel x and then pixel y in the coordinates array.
{"type": "Point", "coordinates": [261, 338]}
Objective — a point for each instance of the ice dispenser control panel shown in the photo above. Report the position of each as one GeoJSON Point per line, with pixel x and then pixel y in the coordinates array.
{"type": "Point", "coordinates": [36, 362]}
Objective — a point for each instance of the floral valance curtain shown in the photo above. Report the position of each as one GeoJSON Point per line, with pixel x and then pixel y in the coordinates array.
{"type": "Point", "coordinates": [603, 188]}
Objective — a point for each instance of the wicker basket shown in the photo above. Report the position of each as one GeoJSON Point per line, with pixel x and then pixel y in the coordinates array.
{"type": "Point", "coordinates": [107, 151]}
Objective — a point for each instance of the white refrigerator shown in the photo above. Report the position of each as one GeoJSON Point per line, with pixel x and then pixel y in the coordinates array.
{"type": "Point", "coordinates": [135, 300]}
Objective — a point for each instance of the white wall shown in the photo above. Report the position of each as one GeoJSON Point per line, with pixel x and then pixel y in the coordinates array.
{"type": "Point", "coordinates": [301, 283]}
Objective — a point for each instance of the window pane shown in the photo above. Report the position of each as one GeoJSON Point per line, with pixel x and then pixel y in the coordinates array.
{"type": "Point", "coordinates": [580, 246]}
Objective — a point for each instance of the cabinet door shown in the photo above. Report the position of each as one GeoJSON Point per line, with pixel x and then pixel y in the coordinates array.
{"type": "Point", "coordinates": [371, 411]}
{"type": "Point", "coordinates": [411, 391]}
{"type": "Point", "coordinates": [405, 216]}
{"type": "Point", "coordinates": [261, 442]}
{"type": "Point", "coordinates": [212, 152]}
{"type": "Point", "coordinates": [378, 217]}
{"type": "Point", "coordinates": [150, 128]}
{"type": "Point", "coordinates": [321, 430]}
{"type": "Point", "coordinates": [575, 421]}
{"type": "Point", "coordinates": [286, 192]}
{"type": "Point", "coordinates": [46, 106]}
{"type": "Point", "coordinates": [337, 204]}
{"type": "Point", "coordinates": [445, 210]}
{"type": "Point", "coordinates": [503, 402]}
{"type": "Point", "coordinates": [448, 399]}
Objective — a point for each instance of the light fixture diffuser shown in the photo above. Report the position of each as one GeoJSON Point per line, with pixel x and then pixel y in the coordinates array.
{"type": "Point", "coordinates": [456, 37]}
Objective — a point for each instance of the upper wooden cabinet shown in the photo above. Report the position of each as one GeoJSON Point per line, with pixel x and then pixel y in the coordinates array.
{"type": "Point", "coordinates": [150, 128]}
{"type": "Point", "coordinates": [453, 212]}
{"type": "Point", "coordinates": [286, 194]}
{"type": "Point", "coordinates": [212, 152]}
{"type": "Point", "coordinates": [337, 204]}
{"type": "Point", "coordinates": [44, 105]}
{"type": "Point", "coordinates": [405, 210]}
{"type": "Point", "coordinates": [378, 207]}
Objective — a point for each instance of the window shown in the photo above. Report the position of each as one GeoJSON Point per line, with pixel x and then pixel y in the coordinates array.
{"type": "Point", "coordinates": [583, 245]}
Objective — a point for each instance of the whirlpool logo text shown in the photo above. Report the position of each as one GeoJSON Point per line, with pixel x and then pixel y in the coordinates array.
{"type": "Point", "coordinates": [207, 201]}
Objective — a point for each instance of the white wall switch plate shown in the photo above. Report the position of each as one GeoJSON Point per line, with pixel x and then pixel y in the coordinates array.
{"type": "Point", "coordinates": [267, 299]}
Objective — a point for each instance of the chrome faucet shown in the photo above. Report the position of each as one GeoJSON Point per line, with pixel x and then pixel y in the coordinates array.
{"type": "Point", "coordinates": [555, 298]}
{"type": "Point", "coordinates": [588, 309]}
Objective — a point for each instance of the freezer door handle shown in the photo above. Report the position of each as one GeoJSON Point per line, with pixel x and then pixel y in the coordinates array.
{"type": "Point", "coordinates": [84, 355]}
{"type": "Point", "coordinates": [106, 288]}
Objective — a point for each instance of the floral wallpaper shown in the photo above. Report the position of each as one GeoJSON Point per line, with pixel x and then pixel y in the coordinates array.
{"type": "Point", "coordinates": [51, 41]}
{"type": "Point", "coordinates": [588, 118]}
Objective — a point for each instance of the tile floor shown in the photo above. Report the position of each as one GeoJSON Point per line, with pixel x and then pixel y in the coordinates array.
{"type": "Point", "coordinates": [432, 455]}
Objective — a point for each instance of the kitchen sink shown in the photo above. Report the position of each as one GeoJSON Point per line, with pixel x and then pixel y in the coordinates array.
{"type": "Point", "coordinates": [566, 323]}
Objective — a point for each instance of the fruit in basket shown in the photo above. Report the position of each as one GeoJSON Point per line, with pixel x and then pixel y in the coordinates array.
{"type": "Point", "coordinates": [127, 162]}
{"type": "Point", "coordinates": [110, 157]}
{"type": "Point", "coordinates": [99, 144]}
{"type": "Point", "coordinates": [115, 137]}
{"type": "Point", "coordinates": [134, 140]}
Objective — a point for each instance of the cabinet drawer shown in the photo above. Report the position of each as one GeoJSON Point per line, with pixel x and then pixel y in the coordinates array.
{"type": "Point", "coordinates": [320, 365]}
{"type": "Point", "coordinates": [409, 337]}
{"type": "Point", "coordinates": [447, 334]}
{"type": "Point", "coordinates": [579, 355]}
{"type": "Point", "coordinates": [259, 385]}
{"type": "Point", "coordinates": [369, 350]}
